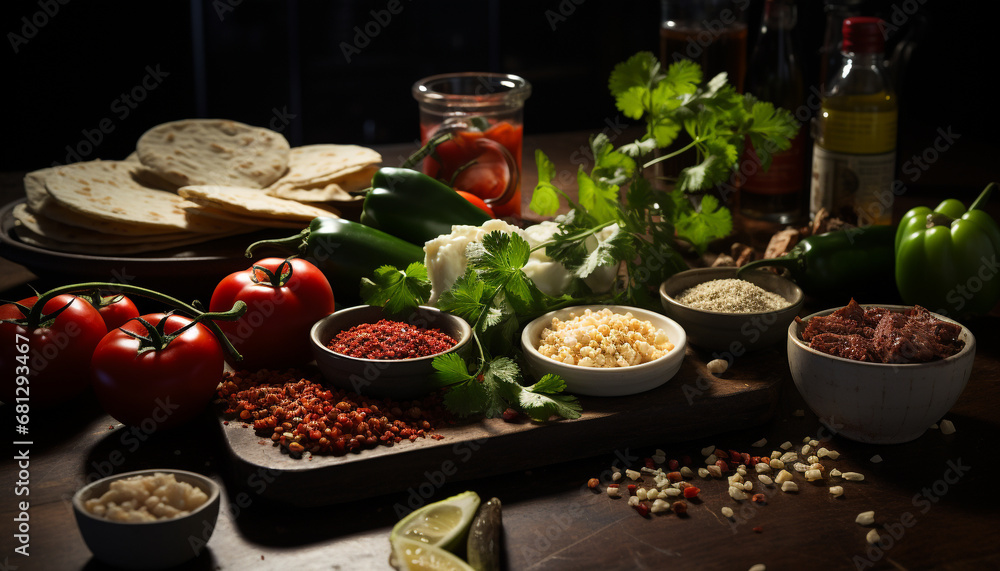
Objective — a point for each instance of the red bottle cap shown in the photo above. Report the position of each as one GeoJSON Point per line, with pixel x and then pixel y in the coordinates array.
{"type": "Point", "coordinates": [864, 34]}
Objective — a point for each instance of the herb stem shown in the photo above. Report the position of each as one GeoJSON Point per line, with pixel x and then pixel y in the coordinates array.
{"type": "Point", "coordinates": [693, 143]}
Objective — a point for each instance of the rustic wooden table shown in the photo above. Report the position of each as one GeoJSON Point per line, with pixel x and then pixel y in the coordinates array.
{"type": "Point", "coordinates": [934, 498]}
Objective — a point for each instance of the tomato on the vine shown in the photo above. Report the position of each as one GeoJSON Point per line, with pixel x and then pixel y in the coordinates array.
{"type": "Point", "coordinates": [141, 382]}
{"type": "Point", "coordinates": [116, 310]}
{"type": "Point", "coordinates": [284, 299]}
{"type": "Point", "coordinates": [49, 359]}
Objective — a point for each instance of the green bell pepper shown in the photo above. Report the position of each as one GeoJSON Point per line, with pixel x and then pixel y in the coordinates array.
{"type": "Point", "coordinates": [946, 258]}
{"type": "Point", "coordinates": [415, 207]}
{"type": "Point", "coordinates": [345, 252]}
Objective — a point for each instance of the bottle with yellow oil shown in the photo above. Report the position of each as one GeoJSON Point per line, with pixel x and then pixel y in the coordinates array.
{"type": "Point", "coordinates": [854, 151]}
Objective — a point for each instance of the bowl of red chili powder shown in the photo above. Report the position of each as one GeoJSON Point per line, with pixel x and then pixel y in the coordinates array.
{"type": "Point", "coordinates": [364, 350]}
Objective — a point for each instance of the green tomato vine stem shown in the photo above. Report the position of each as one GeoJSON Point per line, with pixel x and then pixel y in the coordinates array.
{"type": "Point", "coordinates": [209, 318]}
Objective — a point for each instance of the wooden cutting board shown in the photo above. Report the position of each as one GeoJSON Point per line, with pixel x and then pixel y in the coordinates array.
{"type": "Point", "coordinates": [694, 404]}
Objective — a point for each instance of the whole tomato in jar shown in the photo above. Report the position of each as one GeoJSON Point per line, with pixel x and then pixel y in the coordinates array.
{"type": "Point", "coordinates": [284, 298]}
{"type": "Point", "coordinates": [47, 358]}
{"type": "Point", "coordinates": [157, 371]}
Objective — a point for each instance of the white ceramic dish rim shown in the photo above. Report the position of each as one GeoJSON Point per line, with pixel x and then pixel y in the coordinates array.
{"type": "Point", "coordinates": [464, 326]}
{"type": "Point", "coordinates": [529, 345]}
{"type": "Point", "coordinates": [792, 304]}
{"type": "Point", "coordinates": [214, 490]}
{"type": "Point", "coordinates": [969, 346]}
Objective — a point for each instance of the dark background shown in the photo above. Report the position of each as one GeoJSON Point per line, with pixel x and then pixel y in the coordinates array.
{"type": "Point", "coordinates": [282, 64]}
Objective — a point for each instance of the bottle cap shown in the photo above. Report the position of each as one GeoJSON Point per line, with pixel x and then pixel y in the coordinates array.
{"type": "Point", "coordinates": [864, 34]}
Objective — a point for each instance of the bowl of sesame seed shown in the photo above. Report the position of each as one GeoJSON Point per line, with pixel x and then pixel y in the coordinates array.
{"type": "Point", "coordinates": [722, 313]}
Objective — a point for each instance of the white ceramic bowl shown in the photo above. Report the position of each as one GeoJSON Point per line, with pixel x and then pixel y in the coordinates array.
{"type": "Point", "coordinates": [383, 378]}
{"type": "Point", "coordinates": [615, 381]}
{"type": "Point", "coordinates": [734, 333]}
{"type": "Point", "coordinates": [878, 403]}
{"type": "Point", "coordinates": [148, 545]}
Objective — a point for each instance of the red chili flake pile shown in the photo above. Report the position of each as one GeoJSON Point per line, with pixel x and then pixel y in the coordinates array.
{"type": "Point", "coordinates": [387, 339]}
{"type": "Point", "coordinates": [300, 414]}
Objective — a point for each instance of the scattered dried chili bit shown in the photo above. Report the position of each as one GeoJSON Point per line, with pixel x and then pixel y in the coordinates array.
{"type": "Point", "coordinates": [387, 339]}
{"type": "Point", "coordinates": [631, 489]}
{"type": "Point", "coordinates": [679, 507]}
{"type": "Point", "coordinates": [759, 498]}
{"type": "Point", "coordinates": [674, 476]}
{"type": "Point", "coordinates": [691, 492]}
{"type": "Point", "coordinates": [722, 465]}
{"type": "Point", "coordinates": [643, 509]}
{"type": "Point", "coordinates": [674, 465]}
{"type": "Point", "coordinates": [510, 414]}
{"type": "Point", "coordinates": [291, 410]}
{"type": "Point", "coordinates": [650, 464]}
{"type": "Point", "coordinates": [593, 483]}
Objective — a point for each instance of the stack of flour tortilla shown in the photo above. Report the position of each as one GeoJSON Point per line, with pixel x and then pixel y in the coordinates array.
{"type": "Point", "coordinates": [189, 181]}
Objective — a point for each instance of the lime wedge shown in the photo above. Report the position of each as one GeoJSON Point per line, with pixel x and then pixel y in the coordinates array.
{"type": "Point", "coordinates": [414, 555]}
{"type": "Point", "coordinates": [441, 524]}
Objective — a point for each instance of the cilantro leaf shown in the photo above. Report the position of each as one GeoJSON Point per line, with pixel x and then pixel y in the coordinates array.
{"type": "Point", "coordinates": [500, 383]}
{"type": "Point", "coordinates": [598, 197]}
{"type": "Point", "coordinates": [545, 199]}
{"type": "Point", "coordinates": [450, 369]}
{"type": "Point", "coordinates": [610, 251]}
{"type": "Point", "coordinates": [397, 290]}
{"type": "Point", "coordinates": [542, 400]}
{"type": "Point", "coordinates": [711, 222]}
{"type": "Point", "coordinates": [465, 297]}
{"type": "Point", "coordinates": [640, 70]}
{"type": "Point", "coordinates": [500, 261]}
{"type": "Point", "coordinates": [771, 129]}
{"type": "Point", "coordinates": [465, 399]}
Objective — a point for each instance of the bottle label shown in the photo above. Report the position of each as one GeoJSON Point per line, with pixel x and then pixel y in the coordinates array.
{"type": "Point", "coordinates": [786, 174]}
{"type": "Point", "coordinates": [854, 188]}
{"type": "Point", "coordinates": [858, 132]}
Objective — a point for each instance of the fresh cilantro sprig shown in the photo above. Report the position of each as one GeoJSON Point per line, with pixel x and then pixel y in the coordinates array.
{"type": "Point", "coordinates": [655, 227]}
{"type": "Point", "coordinates": [496, 298]}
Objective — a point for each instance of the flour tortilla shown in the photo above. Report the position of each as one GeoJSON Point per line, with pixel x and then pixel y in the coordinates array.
{"type": "Point", "coordinates": [54, 230]}
{"type": "Point", "coordinates": [105, 190]}
{"type": "Point", "coordinates": [341, 189]}
{"type": "Point", "coordinates": [40, 202]}
{"type": "Point", "coordinates": [249, 202]}
{"type": "Point", "coordinates": [214, 151]}
{"type": "Point", "coordinates": [316, 164]}
{"type": "Point", "coordinates": [27, 236]}
{"type": "Point", "coordinates": [249, 221]}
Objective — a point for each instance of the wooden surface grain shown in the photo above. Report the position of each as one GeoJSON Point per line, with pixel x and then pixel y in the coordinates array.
{"type": "Point", "coordinates": [934, 499]}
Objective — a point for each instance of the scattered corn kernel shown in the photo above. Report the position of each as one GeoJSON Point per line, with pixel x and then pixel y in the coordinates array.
{"type": "Point", "coordinates": [762, 468]}
{"type": "Point", "coordinates": [836, 491]}
{"type": "Point", "coordinates": [687, 472]}
{"type": "Point", "coordinates": [805, 450]}
{"type": "Point", "coordinates": [737, 493]}
{"type": "Point", "coordinates": [865, 518]}
{"type": "Point", "coordinates": [632, 474]}
{"type": "Point", "coordinates": [835, 473]}
{"type": "Point", "coordinates": [873, 538]}
{"type": "Point", "coordinates": [641, 493]}
{"type": "Point", "coordinates": [717, 366]}
{"type": "Point", "coordinates": [947, 427]}
{"type": "Point", "coordinates": [758, 567]}
{"type": "Point", "coordinates": [789, 457]}
{"type": "Point", "coordinates": [876, 459]}
{"type": "Point", "coordinates": [727, 511]}
{"type": "Point", "coordinates": [776, 464]}
{"type": "Point", "coordinates": [800, 467]}
{"type": "Point", "coordinates": [853, 476]}
{"type": "Point", "coordinates": [707, 450]}
{"type": "Point", "coordinates": [813, 475]}
{"type": "Point", "coordinates": [613, 492]}
{"type": "Point", "coordinates": [783, 476]}
{"type": "Point", "coordinates": [715, 471]}
{"type": "Point", "coordinates": [703, 473]}
{"type": "Point", "coordinates": [786, 445]}
{"type": "Point", "coordinates": [789, 486]}
{"type": "Point", "coordinates": [660, 506]}
{"type": "Point", "coordinates": [760, 443]}
{"type": "Point", "coordinates": [711, 459]}
{"type": "Point", "coordinates": [670, 492]}
{"type": "Point", "coordinates": [766, 480]}
{"type": "Point", "coordinates": [748, 485]}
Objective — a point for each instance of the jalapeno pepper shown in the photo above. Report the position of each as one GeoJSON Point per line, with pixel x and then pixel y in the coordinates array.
{"type": "Point", "coordinates": [415, 207]}
{"type": "Point", "coordinates": [345, 251]}
{"type": "Point", "coordinates": [946, 258]}
{"type": "Point", "coordinates": [856, 262]}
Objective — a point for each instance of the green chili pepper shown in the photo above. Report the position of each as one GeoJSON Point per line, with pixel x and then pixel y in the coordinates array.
{"type": "Point", "coordinates": [946, 258]}
{"type": "Point", "coordinates": [855, 262]}
{"type": "Point", "coordinates": [415, 207]}
{"type": "Point", "coordinates": [345, 252]}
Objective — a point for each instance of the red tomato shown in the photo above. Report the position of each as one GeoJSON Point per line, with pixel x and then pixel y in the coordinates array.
{"type": "Point", "coordinates": [274, 332]}
{"type": "Point", "coordinates": [49, 363]}
{"type": "Point", "coordinates": [477, 201]}
{"type": "Point", "coordinates": [157, 388]}
{"type": "Point", "coordinates": [116, 310]}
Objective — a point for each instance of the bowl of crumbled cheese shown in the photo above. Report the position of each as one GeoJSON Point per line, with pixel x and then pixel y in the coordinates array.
{"type": "Point", "coordinates": [149, 519]}
{"type": "Point", "coordinates": [604, 350]}
{"type": "Point", "coordinates": [729, 315]}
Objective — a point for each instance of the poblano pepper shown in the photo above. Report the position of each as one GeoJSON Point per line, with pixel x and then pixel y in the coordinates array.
{"type": "Point", "coordinates": [946, 258]}
{"type": "Point", "coordinates": [415, 207]}
{"type": "Point", "coordinates": [345, 252]}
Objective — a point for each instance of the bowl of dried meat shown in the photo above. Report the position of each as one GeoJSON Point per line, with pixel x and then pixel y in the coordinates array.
{"type": "Point", "coordinates": [880, 374]}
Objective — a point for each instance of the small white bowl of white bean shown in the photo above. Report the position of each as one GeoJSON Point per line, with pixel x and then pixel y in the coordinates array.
{"type": "Point", "coordinates": [604, 350]}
